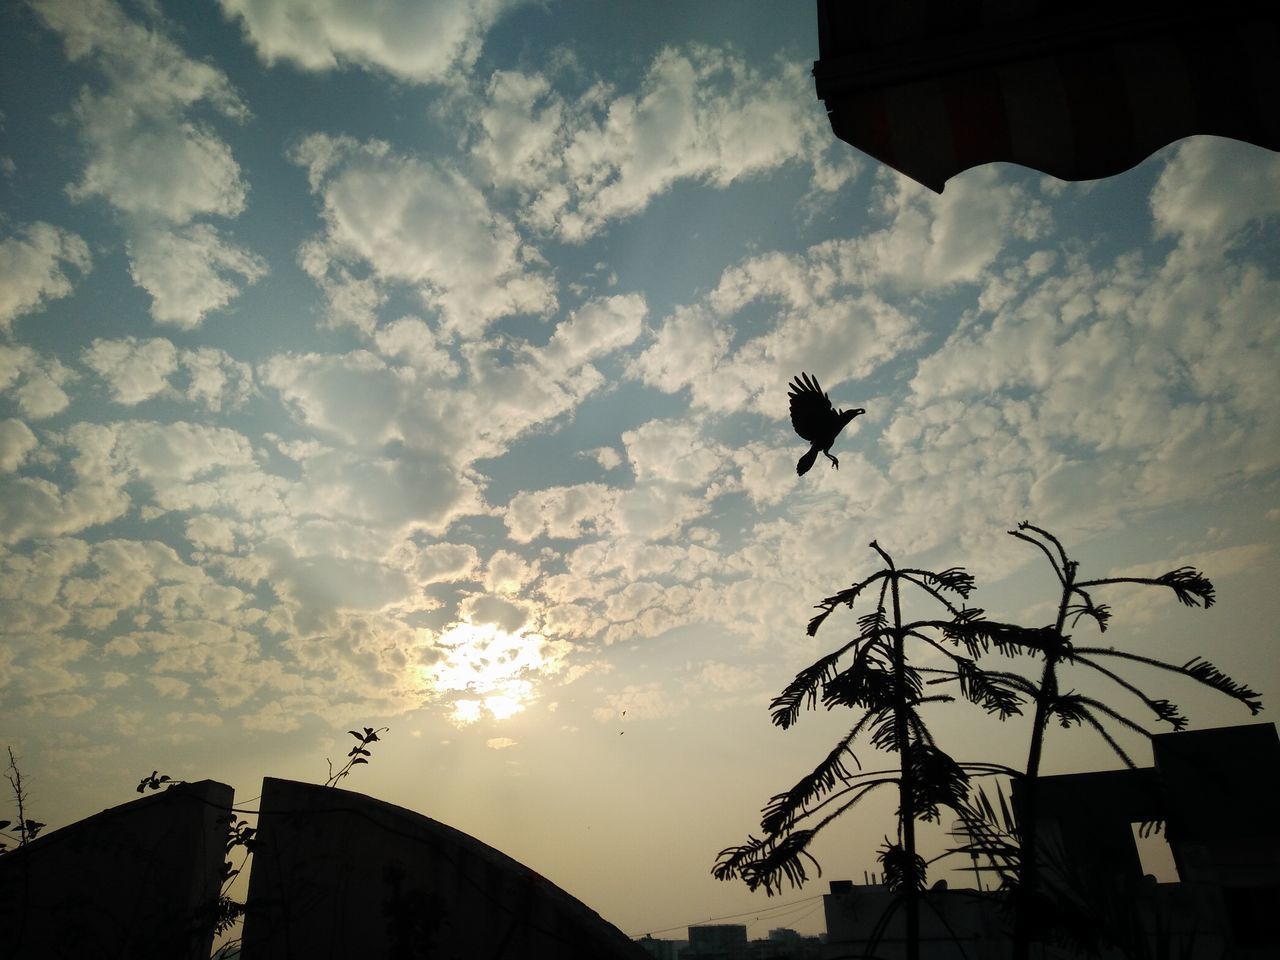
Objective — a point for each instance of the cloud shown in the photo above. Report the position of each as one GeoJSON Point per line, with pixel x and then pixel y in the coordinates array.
{"type": "Point", "coordinates": [135, 370]}
{"type": "Point", "coordinates": [697, 115]}
{"type": "Point", "coordinates": [596, 329]}
{"type": "Point", "coordinates": [1211, 189]}
{"type": "Point", "coordinates": [36, 381]}
{"type": "Point", "coordinates": [453, 412]}
{"type": "Point", "coordinates": [16, 442]}
{"type": "Point", "coordinates": [33, 263]}
{"type": "Point", "coordinates": [422, 43]}
{"type": "Point", "coordinates": [388, 212]}
{"type": "Point", "coordinates": [561, 512]}
{"type": "Point", "coordinates": [936, 240]}
{"type": "Point", "coordinates": [190, 272]}
{"type": "Point", "coordinates": [821, 301]}
{"type": "Point", "coordinates": [639, 702]}
{"type": "Point", "coordinates": [153, 161]}
{"type": "Point", "coordinates": [506, 573]}
{"type": "Point", "coordinates": [146, 159]}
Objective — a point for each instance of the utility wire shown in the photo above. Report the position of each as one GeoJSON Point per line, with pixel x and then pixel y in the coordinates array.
{"type": "Point", "coordinates": [778, 910]}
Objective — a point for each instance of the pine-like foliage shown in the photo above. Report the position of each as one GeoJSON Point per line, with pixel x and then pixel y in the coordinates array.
{"type": "Point", "coordinates": [1058, 651]}
{"type": "Point", "coordinates": [872, 674]}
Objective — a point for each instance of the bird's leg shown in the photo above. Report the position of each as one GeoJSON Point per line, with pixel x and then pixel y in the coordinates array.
{"type": "Point", "coordinates": [834, 462]}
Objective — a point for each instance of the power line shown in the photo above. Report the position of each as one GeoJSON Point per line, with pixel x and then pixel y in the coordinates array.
{"type": "Point", "coordinates": [777, 910]}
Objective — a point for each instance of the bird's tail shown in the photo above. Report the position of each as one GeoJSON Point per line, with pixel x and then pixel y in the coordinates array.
{"type": "Point", "coordinates": [805, 462]}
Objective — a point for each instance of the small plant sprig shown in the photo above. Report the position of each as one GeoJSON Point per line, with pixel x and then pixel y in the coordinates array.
{"type": "Point", "coordinates": [227, 912]}
{"type": "Point", "coordinates": [357, 754]}
{"type": "Point", "coordinates": [23, 830]}
{"type": "Point", "coordinates": [153, 782]}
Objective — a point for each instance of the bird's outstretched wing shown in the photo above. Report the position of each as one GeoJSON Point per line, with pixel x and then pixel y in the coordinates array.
{"type": "Point", "coordinates": [812, 414]}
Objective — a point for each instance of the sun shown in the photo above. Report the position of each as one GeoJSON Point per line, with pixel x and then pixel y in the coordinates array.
{"type": "Point", "coordinates": [492, 669]}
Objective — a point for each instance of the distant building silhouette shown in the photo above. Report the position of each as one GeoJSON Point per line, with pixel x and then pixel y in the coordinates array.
{"type": "Point", "coordinates": [1217, 793]}
{"type": "Point", "coordinates": [716, 941]}
{"type": "Point", "coordinates": [728, 941]}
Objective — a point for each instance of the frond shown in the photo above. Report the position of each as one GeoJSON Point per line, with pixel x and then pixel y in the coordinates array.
{"type": "Point", "coordinates": [884, 734]}
{"type": "Point", "coordinates": [1191, 586]}
{"type": "Point", "coordinates": [787, 705]}
{"type": "Point", "coordinates": [955, 579]}
{"type": "Point", "coordinates": [1211, 676]}
{"type": "Point", "coordinates": [1116, 715]}
{"type": "Point", "coordinates": [766, 863]}
{"type": "Point", "coordinates": [990, 835]}
{"type": "Point", "coordinates": [873, 622]}
{"type": "Point", "coordinates": [1197, 669]}
{"type": "Point", "coordinates": [1100, 612]}
{"type": "Point", "coordinates": [1090, 719]}
{"type": "Point", "coordinates": [978, 635]}
{"type": "Point", "coordinates": [1069, 708]}
{"type": "Point", "coordinates": [1074, 708]}
{"type": "Point", "coordinates": [846, 597]}
{"type": "Point", "coordinates": [902, 871]}
{"type": "Point", "coordinates": [937, 780]}
{"type": "Point", "coordinates": [987, 690]}
{"type": "Point", "coordinates": [866, 683]}
{"type": "Point", "coordinates": [1164, 710]}
{"type": "Point", "coordinates": [780, 812]}
{"type": "Point", "coordinates": [1060, 563]}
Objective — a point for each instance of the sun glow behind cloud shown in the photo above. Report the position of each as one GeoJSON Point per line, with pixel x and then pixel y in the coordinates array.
{"type": "Point", "coordinates": [486, 669]}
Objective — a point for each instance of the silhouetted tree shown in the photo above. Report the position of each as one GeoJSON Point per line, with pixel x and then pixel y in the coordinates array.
{"type": "Point", "coordinates": [1055, 646]}
{"type": "Point", "coordinates": [872, 673]}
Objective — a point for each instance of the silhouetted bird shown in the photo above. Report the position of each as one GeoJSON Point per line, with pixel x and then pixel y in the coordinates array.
{"type": "Point", "coordinates": [816, 420]}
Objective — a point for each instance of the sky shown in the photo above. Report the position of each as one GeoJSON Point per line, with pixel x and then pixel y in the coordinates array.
{"type": "Point", "coordinates": [425, 366]}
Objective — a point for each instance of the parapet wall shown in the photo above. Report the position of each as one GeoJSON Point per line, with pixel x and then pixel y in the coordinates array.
{"type": "Point", "coordinates": [138, 881]}
{"type": "Point", "coordinates": [338, 874]}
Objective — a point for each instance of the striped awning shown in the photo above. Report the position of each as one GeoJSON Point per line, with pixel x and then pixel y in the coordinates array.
{"type": "Point", "coordinates": [1079, 91]}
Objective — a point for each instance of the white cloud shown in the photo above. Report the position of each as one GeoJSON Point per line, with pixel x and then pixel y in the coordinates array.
{"type": "Point", "coordinates": [935, 240]}
{"type": "Point", "coordinates": [215, 379]}
{"type": "Point", "coordinates": [190, 272]}
{"type": "Point", "coordinates": [412, 222]}
{"type": "Point", "coordinates": [674, 452]}
{"type": "Point", "coordinates": [36, 381]}
{"type": "Point", "coordinates": [16, 442]}
{"type": "Point", "coordinates": [33, 263]}
{"type": "Point", "coordinates": [507, 573]}
{"type": "Point", "coordinates": [441, 562]}
{"type": "Point", "coordinates": [698, 115]}
{"type": "Point", "coordinates": [150, 159]}
{"type": "Point", "coordinates": [1211, 189]}
{"type": "Point", "coordinates": [424, 43]}
{"type": "Point", "coordinates": [413, 341]}
{"type": "Point", "coordinates": [146, 159]}
{"type": "Point", "coordinates": [170, 687]}
{"type": "Point", "coordinates": [32, 507]}
{"type": "Point", "coordinates": [135, 370]}
{"type": "Point", "coordinates": [452, 411]}
{"type": "Point", "coordinates": [638, 702]}
{"type": "Point", "coordinates": [607, 457]}
{"type": "Point", "coordinates": [596, 329]}
{"type": "Point", "coordinates": [561, 512]}
{"type": "Point", "coordinates": [821, 302]}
